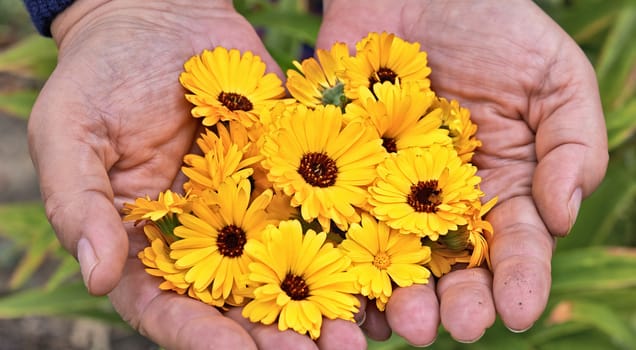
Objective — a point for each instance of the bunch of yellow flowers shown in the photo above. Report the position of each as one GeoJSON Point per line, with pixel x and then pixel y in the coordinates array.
{"type": "Point", "coordinates": [360, 182]}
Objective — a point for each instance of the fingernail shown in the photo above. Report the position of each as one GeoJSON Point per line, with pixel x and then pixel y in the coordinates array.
{"type": "Point", "coordinates": [519, 330]}
{"type": "Point", "coordinates": [473, 340]}
{"type": "Point", "coordinates": [574, 204]}
{"type": "Point", "coordinates": [87, 259]}
{"type": "Point", "coordinates": [424, 345]}
{"type": "Point", "coordinates": [361, 318]}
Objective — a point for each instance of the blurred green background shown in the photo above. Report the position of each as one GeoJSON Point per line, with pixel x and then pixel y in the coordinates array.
{"type": "Point", "coordinates": [593, 298]}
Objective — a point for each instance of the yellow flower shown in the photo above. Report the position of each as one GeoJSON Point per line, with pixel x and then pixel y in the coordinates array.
{"type": "Point", "coordinates": [381, 256]}
{"type": "Point", "coordinates": [154, 210]}
{"type": "Point", "coordinates": [480, 232]}
{"type": "Point", "coordinates": [161, 211]}
{"type": "Point", "coordinates": [226, 85]}
{"type": "Point", "coordinates": [223, 158]}
{"type": "Point", "coordinates": [298, 279]}
{"type": "Point", "coordinates": [399, 114]}
{"type": "Point", "coordinates": [456, 119]}
{"type": "Point", "coordinates": [158, 263]}
{"type": "Point", "coordinates": [468, 244]}
{"type": "Point", "coordinates": [316, 82]}
{"type": "Point", "coordinates": [213, 238]}
{"type": "Point", "coordinates": [384, 57]}
{"type": "Point", "coordinates": [424, 191]}
{"type": "Point", "coordinates": [323, 165]}
{"type": "Point", "coordinates": [280, 208]}
{"type": "Point", "coordinates": [443, 258]}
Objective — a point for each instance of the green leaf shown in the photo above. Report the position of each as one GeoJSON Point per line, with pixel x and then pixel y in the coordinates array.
{"type": "Point", "coordinates": [67, 268]}
{"type": "Point", "coordinates": [300, 26]}
{"type": "Point", "coordinates": [587, 339]}
{"type": "Point", "coordinates": [23, 222]}
{"type": "Point", "coordinates": [31, 261]}
{"type": "Point", "coordinates": [600, 317]}
{"type": "Point", "coordinates": [18, 103]}
{"type": "Point", "coordinates": [548, 332]}
{"type": "Point", "coordinates": [616, 65]}
{"type": "Point", "coordinates": [584, 20]}
{"type": "Point", "coordinates": [68, 299]}
{"type": "Point", "coordinates": [621, 124]}
{"type": "Point", "coordinates": [34, 57]}
{"type": "Point", "coordinates": [282, 57]}
{"type": "Point", "coordinates": [593, 269]}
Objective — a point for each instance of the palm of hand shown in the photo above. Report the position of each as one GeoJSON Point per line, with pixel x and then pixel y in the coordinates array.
{"type": "Point", "coordinates": [509, 67]}
{"type": "Point", "coordinates": [125, 114]}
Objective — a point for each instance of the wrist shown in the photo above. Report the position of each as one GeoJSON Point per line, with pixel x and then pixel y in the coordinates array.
{"type": "Point", "coordinates": [65, 20]}
{"type": "Point", "coordinates": [82, 12]}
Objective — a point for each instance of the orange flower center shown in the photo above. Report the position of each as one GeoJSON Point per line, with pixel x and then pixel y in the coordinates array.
{"type": "Point", "coordinates": [318, 169]}
{"type": "Point", "coordinates": [234, 101]}
{"type": "Point", "coordinates": [295, 287]}
{"type": "Point", "coordinates": [383, 74]}
{"type": "Point", "coordinates": [389, 144]}
{"type": "Point", "coordinates": [425, 196]}
{"type": "Point", "coordinates": [231, 240]}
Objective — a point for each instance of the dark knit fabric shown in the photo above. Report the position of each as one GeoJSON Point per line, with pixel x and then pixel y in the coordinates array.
{"type": "Point", "coordinates": [44, 11]}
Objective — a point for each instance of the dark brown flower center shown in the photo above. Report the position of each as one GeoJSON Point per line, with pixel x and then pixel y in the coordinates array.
{"type": "Point", "coordinates": [425, 197]}
{"type": "Point", "coordinates": [318, 169]}
{"type": "Point", "coordinates": [231, 240]}
{"type": "Point", "coordinates": [389, 144]}
{"type": "Point", "coordinates": [383, 74]}
{"type": "Point", "coordinates": [295, 287]}
{"type": "Point", "coordinates": [234, 101]}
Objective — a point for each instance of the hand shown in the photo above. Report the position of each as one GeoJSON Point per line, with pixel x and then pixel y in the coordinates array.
{"type": "Point", "coordinates": [112, 124]}
{"type": "Point", "coordinates": [534, 97]}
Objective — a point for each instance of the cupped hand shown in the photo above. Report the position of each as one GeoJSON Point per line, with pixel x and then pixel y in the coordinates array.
{"type": "Point", "coordinates": [112, 124]}
{"type": "Point", "coordinates": [534, 96]}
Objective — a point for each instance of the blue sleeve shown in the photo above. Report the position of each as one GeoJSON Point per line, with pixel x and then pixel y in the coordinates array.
{"type": "Point", "coordinates": [44, 11]}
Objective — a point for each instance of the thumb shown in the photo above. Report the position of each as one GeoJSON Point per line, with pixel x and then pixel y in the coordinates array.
{"type": "Point", "coordinates": [571, 144]}
{"type": "Point", "coordinates": [77, 194]}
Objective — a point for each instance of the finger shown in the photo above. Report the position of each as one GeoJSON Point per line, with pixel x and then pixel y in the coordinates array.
{"type": "Point", "coordinates": [77, 195]}
{"type": "Point", "coordinates": [375, 325]}
{"type": "Point", "coordinates": [521, 250]}
{"type": "Point", "coordinates": [571, 141]}
{"type": "Point", "coordinates": [413, 313]}
{"type": "Point", "coordinates": [269, 337]}
{"type": "Point", "coordinates": [341, 335]}
{"type": "Point", "coordinates": [466, 303]}
{"type": "Point", "coordinates": [171, 320]}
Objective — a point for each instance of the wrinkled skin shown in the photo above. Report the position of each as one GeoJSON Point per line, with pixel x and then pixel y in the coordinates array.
{"type": "Point", "coordinates": [111, 124]}
{"type": "Point", "coordinates": [534, 96]}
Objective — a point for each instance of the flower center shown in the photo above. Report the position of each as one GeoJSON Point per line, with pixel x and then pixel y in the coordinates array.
{"type": "Point", "coordinates": [318, 169]}
{"type": "Point", "coordinates": [382, 260]}
{"type": "Point", "coordinates": [425, 197]}
{"type": "Point", "coordinates": [383, 74]}
{"type": "Point", "coordinates": [389, 144]}
{"type": "Point", "coordinates": [231, 240]}
{"type": "Point", "coordinates": [234, 101]}
{"type": "Point", "coordinates": [295, 287]}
